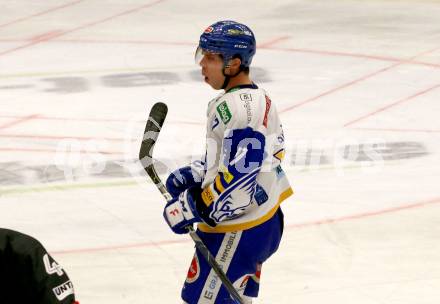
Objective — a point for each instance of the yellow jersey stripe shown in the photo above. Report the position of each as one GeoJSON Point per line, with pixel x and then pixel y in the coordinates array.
{"type": "Point", "coordinates": [218, 184]}
{"type": "Point", "coordinates": [247, 225]}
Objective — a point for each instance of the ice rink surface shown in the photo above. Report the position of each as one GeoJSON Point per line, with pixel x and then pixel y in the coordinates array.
{"type": "Point", "coordinates": [357, 84]}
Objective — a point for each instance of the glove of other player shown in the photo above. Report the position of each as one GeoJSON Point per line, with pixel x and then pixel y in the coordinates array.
{"type": "Point", "coordinates": [181, 179]}
{"type": "Point", "coordinates": [181, 212]}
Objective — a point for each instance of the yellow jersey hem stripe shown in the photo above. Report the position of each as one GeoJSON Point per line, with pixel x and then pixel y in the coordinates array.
{"type": "Point", "coordinates": [247, 225]}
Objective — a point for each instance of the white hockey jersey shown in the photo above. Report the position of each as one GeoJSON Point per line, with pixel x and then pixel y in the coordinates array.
{"type": "Point", "coordinates": [242, 181]}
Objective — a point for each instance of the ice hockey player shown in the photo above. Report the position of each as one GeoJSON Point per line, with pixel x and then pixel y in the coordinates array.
{"type": "Point", "coordinates": [28, 274]}
{"type": "Point", "coordinates": [235, 192]}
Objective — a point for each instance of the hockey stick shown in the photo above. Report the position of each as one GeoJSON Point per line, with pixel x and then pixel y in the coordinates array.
{"type": "Point", "coordinates": [154, 124]}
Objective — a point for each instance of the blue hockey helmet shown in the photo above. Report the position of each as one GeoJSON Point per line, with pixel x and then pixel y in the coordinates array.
{"type": "Point", "coordinates": [230, 39]}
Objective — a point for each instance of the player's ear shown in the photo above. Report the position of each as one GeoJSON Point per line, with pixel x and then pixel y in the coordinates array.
{"type": "Point", "coordinates": [234, 65]}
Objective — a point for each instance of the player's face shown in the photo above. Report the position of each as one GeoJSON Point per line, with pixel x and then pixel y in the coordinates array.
{"type": "Point", "coordinates": [212, 69]}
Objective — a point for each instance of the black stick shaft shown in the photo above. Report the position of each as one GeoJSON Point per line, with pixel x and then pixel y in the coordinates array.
{"type": "Point", "coordinates": [154, 124]}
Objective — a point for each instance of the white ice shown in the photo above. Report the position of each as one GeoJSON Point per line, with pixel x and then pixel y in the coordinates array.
{"type": "Point", "coordinates": [77, 80]}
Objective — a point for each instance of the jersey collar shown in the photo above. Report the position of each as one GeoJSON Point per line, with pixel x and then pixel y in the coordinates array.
{"type": "Point", "coordinates": [242, 86]}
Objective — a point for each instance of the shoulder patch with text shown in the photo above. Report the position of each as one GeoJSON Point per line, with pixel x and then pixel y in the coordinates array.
{"type": "Point", "coordinates": [224, 112]}
{"type": "Point", "coordinates": [64, 290]}
{"type": "Point", "coordinates": [246, 97]}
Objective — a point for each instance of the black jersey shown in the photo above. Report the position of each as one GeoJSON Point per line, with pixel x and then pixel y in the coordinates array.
{"type": "Point", "coordinates": [28, 274]}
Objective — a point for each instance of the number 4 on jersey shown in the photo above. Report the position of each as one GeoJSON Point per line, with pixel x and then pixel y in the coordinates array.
{"type": "Point", "coordinates": [53, 267]}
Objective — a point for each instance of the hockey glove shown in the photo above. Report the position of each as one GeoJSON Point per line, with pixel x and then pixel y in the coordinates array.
{"type": "Point", "coordinates": [181, 212]}
{"type": "Point", "coordinates": [182, 179]}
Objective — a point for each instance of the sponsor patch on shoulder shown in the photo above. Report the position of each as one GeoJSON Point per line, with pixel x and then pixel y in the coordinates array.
{"type": "Point", "coordinates": [224, 112]}
{"type": "Point", "coordinates": [207, 196]}
{"type": "Point", "coordinates": [228, 176]}
{"type": "Point", "coordinates": [63, 291]}
{"type": "Point", "coordinates": [246, 97]}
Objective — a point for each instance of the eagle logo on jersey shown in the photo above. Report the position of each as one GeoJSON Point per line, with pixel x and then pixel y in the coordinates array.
{"type": "Point", "coordinates": [225, 210]}
{"type": "Point", "coordinates": [228, 207]}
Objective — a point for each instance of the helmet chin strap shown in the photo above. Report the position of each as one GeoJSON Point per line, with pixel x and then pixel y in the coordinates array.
{"type": "Point", "coordinates": [228, 77]}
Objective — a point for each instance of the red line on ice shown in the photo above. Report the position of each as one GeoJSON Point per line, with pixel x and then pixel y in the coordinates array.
{"type": "Point", "coordinates": [353, 82]}
{"type": "Point", "coordinates": [296, 50]}
{"type": "Point", "coordinates": [356, 55]}
{"type": "Point", "coordinates": [119, 247]}
{"type": "Point", "coordinates": [367, 214]}
{"type": "Point", "coordinates": [32, 136]}
{"type": "Point", "coordinates": [45, 36]}
{"type": "Point", "coordinates": [412, 97]}
{"type": "Point", "coordinates": [270, 43]}
{"type": "Point", "coordinates": [399, 130]}
{"type": "Point", "coordinates": [419, 204]}
{"type": "Point", "coordinates": [54, 151]}
{"type": "Point", "coordinates": [40, 13]}
{"type": "Point", "coordinates": [102, 120]}
{"type": "Point", "coordinates": [81, 27]}
{"type": "Point", "coordinates": [266, 44]}
{"type": "Point", "coordinates": [126, 41]}
{"type": "Point", "coordinates": [18, 121]}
